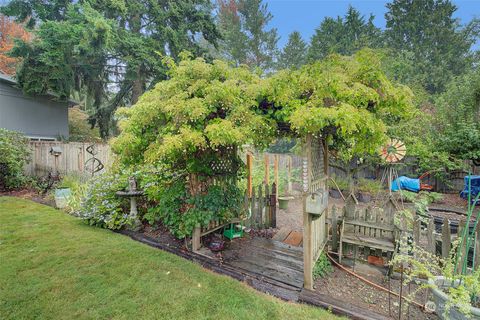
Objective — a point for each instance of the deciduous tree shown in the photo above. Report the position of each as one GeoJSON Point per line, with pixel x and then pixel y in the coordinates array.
{"type": "Point", "coordinates": [9, 31]}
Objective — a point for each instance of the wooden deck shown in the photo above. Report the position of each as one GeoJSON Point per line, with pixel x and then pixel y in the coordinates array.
{"type": "Point", "coordinates": [267, 258]}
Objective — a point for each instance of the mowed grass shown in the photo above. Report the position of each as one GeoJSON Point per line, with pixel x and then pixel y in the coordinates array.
{"type": "Point", "coordinates": [52, 266]}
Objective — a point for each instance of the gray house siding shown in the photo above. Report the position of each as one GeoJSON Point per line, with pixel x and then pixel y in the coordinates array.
{"type": "Point", "coordinates": [36, 117]}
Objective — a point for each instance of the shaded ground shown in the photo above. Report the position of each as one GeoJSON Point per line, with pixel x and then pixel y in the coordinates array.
{"type": "Point", "coordinates": [53, 266]}
{"type": "Point", "coordinates": [341, 285]}
{"type": "Point", "coordinates": [346, 287]}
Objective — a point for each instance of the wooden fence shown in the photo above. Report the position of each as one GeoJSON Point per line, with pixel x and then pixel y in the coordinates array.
{"type": "Point", "coordinates": [315, 205]}
{"type": "Point", "coordinates": [437, 238]}
{"type": "Point", "coordinates": [434, 235]}
{"type": "Point", "coordinates": [72, 159]}
{"type": "Point", "coordinates": [261, 214]}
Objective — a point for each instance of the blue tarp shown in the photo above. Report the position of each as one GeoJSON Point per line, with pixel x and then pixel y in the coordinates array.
{"type": "Point", "coordinates": [406, 183]}
{"type": "Point", "coordinates": [475, 187]}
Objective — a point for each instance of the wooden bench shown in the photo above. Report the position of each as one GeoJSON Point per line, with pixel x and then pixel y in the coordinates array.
{"type": "Point", "coordinates": [370, 228]}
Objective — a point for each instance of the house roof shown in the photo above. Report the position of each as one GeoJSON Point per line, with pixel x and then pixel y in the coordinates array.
{"type": "Point", "coordinates": [10, 80]}
{"type": "Point", "coordinates": [6, 78]}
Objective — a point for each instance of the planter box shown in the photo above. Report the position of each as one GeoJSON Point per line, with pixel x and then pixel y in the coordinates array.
{"type": "Point", "coordinates": [334, 193]}
{"type": "Point", "coordinates": [441, 298]}
{"type": "Point", "coordinates": [364, 197]}
{"type": "Point", "coordinates": [283, 202]}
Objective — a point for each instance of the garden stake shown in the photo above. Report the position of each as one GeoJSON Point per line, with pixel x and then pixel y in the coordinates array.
{"type": "Point", "coordinates": [401, 294]}
{"type": "Point", "coordinates": [408, 304]}
{"type": "Point", "coordinates": [389, 296]}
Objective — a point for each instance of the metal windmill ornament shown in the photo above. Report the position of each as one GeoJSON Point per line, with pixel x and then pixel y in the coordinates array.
{"type": "Point", "coordinates": [394, 151]}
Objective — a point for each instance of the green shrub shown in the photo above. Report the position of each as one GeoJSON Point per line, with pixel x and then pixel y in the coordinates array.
{"type": "Point", "coordinates": [79, 128]}
{"type": "Point", "coordinates": [100, 206]}
{"type": "Point", "coordinates": [322, 267]}
{"type": "Point", "coordinates": [369, 185]}
{"type": "Point", "coordinates": [14, 155]}
{"type": "Point", "coordinates": [78, 187]}
{"type": "Point", "coordinates": [342, 183]}
{"type": "Point", "coordinates": [421, 200]}
{"type": "Point", "coordinates": [181, 212]}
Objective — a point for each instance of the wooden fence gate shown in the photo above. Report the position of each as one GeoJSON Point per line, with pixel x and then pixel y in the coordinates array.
{"type": "Point", "coordinates": [262, 209]}
{"type": "Point", "coordinates": [315, 204]}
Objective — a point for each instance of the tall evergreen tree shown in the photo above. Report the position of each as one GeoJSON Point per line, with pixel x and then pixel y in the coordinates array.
{"type": "Point", "coordinates": [344, 35]}
{"type": "Point", "coordinates": [439, 45]}
{"type": "Point", "coordinates": [294, 53]}
{"type": "Point", "coordinates": [115, 72]}
{"type": "Point", "coordinates": [234, 43]}
{"type": "Point", "coordinates": [247, 40]}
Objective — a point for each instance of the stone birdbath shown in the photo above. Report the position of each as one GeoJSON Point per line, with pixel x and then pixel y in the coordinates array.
{"type": "Point", "coordinates": [132, 193]}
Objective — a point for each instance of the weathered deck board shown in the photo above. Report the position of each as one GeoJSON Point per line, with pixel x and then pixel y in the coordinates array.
{"type": "Point", "coordinates": [295, 238]}
{"type": "Point", "coordinates": [282, 234]}
{"type": "Point", "coordinates": [268, 258]}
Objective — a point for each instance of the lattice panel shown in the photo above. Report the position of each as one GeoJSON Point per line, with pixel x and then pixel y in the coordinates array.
{"type": "Point", "coordinates": [226, 162]}
{"type": "Point", "coordinates": [317, 158]}
{"type": "Point", "coordinates": [314, 165]}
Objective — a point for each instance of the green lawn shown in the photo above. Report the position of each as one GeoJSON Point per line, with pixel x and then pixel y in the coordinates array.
{"type": "Point", "coordinates": [53, 266]}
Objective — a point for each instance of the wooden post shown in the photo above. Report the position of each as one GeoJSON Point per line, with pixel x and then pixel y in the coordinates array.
{"type": "Point", "coordinates": [325, 157]}
{"type": "Point", "coordinates": [431, 245]}
{"type": "Point", "coordinates": [246, 200]}
{"type": "Point", "coordinates": [307, 219]}
{"type": "Point", "coordinates": [446, 240]}
{"type": "Point", "coordinates": [253, 217]}
{"type": "Point", "coordinates": [273, 206]}
{"type": "Point", "coordinates": [267, 169]}
{"type": "Point", "coordinates": [249, 173]}
{"type": "Point", "coordinates": [259, 207]}
{"type": "Point", "coordinates": [197, 231]}
{"type": "Point", "coordinates": [307, 247]}
{"type": "Point", "coordinates": [289, 175]}
{"type": "Point", "coordinates": [275, 174]}
{"type": "Point", "coordinates": [266, 202]}
{"type": "Point", "coordinates": [463, 245]}
{"type": "Point", "coordinates": [416, 231]}
{"type": "Point", "coordinates": [334, 229]}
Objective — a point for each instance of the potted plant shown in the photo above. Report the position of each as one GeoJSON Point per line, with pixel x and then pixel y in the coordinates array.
{"type": "Point", "coordinates": [63, 191]}
{"type": "Point", "coordinates": [456, 295]}
{"type": "Point", "coordinates": [283, 201]}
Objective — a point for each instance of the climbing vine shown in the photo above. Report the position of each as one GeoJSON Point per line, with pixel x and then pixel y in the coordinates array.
{"type": "Point", "coordinates": [190, 127]}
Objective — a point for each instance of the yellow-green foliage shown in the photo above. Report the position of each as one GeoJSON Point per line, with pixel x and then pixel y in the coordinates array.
{"type": "Point", "coordinates": [346, 98]}
{"type": "Point", "coordinates": [208, 106]}
{"type": "Point", "coordinates": [202, 106]}
{"type": "Point", "coordinates": [79, 128]}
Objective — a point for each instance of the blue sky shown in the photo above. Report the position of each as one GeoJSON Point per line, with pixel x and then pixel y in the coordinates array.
{"type": "Point", "coordinates": [306, 15]}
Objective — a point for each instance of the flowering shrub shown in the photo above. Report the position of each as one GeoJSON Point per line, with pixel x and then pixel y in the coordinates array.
{"type": "Point", "coordinates": [101, 207]}
{"type": "Point", "coordinates": [14, 154]}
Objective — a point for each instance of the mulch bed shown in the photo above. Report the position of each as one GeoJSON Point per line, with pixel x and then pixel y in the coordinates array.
{"type": "Point", "coordinates": [343, 286]}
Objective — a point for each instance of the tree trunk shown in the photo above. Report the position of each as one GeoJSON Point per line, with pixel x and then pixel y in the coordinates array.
{"type": "Point", "coordinates": [138, 86]}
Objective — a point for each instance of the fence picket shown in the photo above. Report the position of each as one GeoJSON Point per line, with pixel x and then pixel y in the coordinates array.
{"type": "Point", "coordinates": [431, 237]}
{"type": "Point", "coordinates": [446, 240]}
